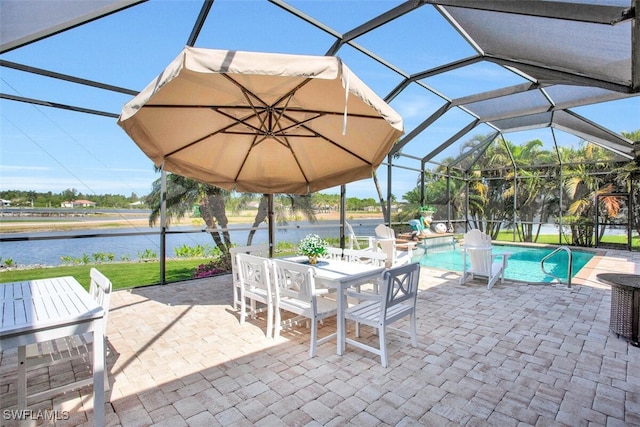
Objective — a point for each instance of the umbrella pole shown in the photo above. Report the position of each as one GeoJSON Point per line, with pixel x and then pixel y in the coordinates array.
{"type": "Point", "coordinates": [163, 224]}
{"type": "Point", "coordinates": [272, 225]}
{"type": "Point", "coordinates": [343, 193]}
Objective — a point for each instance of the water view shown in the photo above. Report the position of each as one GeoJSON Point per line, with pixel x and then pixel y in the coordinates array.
{"type": "Point", "coordinates": [131, 247]}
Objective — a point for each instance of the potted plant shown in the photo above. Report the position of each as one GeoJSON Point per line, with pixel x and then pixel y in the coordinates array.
{"type": "Point", "coordinates": [313, 247]}
{"type": "Point", "coordinates": [426, 216]}
{"type": "Point", "coordinates": [427, 210]}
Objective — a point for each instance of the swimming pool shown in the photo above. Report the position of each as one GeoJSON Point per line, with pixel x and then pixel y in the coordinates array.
{"type": "Point", "coordinates": [524, 262]}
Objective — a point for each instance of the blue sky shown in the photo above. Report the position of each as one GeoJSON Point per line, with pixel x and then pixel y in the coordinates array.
{"type": "Point", "coordinates": [47, 149]}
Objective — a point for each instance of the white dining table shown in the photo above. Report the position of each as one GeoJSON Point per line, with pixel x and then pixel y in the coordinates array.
{"type": "Point", "coordinates": [341, 275]}
{"type": "Point", "coordinates": [40, 310]}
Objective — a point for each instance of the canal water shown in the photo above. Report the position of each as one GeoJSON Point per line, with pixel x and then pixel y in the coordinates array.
{"type": "Point", "coordinates": [131, 247]}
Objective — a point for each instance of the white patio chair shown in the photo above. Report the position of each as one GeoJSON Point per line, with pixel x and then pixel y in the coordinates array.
{"type": "Point", "coordinates": [396, 300]}
{"type": "Point", "coordinates": [365, 257]}
{"type": "Point", "coordinates": [397, 253]}
{"type": "Point", "coordinates": [333, 253]}
{"type": "Point", "coordinates": [483, 262]}
{"type": "Point", "coordinates": [255, 286]}
{"type": "Point", "coordinates": [359, 242]}
{"type": "Point", "coordinates": [295, 292]}
{"type": "Point", "coordinates": [369, 257]}
{"type": "Point", "coordinates": [66, 349]}
{"type": "Point", "coordinates": [258, 250]}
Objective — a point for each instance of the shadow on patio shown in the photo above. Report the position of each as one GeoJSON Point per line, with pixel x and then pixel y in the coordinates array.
{"type": "Point", "coordinates": [515, 354]}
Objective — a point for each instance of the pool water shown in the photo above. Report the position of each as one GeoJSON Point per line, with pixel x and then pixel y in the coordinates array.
{"type": "Point", "coordinates": [523, 264]}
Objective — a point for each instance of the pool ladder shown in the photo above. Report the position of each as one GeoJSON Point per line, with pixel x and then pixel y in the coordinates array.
{"type": "Point", "coordinates": [569, 267]}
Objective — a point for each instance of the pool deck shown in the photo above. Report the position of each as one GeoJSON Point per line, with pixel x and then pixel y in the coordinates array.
{"type": "Point", "coordinates": [515, 355]}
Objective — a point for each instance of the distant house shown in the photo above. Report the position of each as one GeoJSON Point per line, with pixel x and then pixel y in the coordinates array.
{"type": "Point", "coordinates": [79, 204]}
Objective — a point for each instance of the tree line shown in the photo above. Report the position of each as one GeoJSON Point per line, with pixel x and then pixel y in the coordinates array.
{"type": "Point", "coordinates": [49, 199]}
{"type": "Point", "coordinates": [20, 198]}
{"type": "Point", "coordinates": [575, 187]}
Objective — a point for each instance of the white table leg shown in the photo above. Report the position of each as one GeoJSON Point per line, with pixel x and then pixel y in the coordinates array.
{"type": "Point", "coordinates": [341, 329]}
{"type": "Point", "coordinates": [22, 377]}
{"type": "Point", "coordinates": [98, 372]}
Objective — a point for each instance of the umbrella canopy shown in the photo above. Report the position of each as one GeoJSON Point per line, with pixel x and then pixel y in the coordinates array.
{"type": "Point", "coordinates": [262, 122]}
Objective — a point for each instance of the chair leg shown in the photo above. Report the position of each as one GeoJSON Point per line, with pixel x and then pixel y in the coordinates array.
{"type": "Point", "coordinates": [22, 377]}
{"type": "Point", "coordinates": [383, 346]}
{"type": "Point", "coordinates": [253, 309]}
{"type": "Point", "coordinates": [277, 324]}
{"type": "Point", "coordinates": [414, 338]}
{"type": "Point", "coordinates": [314, 338]}
{"type": "Point", "coordinates": [269, 319]}
{"type": "Point", "coordinates": [243, 310]}
{"type": "Point", "coordinates": [235, 297]}
{"type": "Point", "coordinates": [105, 370]}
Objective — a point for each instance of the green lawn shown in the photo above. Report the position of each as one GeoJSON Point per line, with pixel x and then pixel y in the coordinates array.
{"type": "Point", "coordinates": [122, 275]}
{"type": "Point", "coordinates": [552, 239]}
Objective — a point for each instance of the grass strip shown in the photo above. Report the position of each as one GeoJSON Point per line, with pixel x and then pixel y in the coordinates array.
{"type": "Point", "coordinates": [122, 275]}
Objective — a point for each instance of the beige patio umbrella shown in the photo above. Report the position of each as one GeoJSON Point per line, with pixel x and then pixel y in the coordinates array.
{"type": "Point", "coordinates": [262, 122]}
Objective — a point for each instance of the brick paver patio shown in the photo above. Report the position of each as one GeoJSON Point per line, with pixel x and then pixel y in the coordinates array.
{"type": "Point", "coordinates": [517, 354]}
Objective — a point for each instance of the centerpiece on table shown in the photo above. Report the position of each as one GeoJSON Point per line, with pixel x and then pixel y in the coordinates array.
{"type": "Point", "coordinates": [313, 247]}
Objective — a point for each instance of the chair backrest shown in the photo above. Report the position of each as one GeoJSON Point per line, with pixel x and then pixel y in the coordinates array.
{"type": "Point", "coordinates": [365, 257]}
{"type": "Point", "coordinates": [388, 247]}
{"type": "Point", "coordinates": [333, 253]}
{"type": "Point", "coordinates": [293, 280]}
{"type": "Point", "coordinates": [385, 232]}
{"type": "Point", "coordinates": [477, 239]}
{"type": "Point", "coordinates": [478, 247]}
{"type": "Point", "coordinates": [100, 289]}
{"type": "Point", "coordinates": [400, 284]}
{"type": "Point", "coordinates": [356, 242]}
{"type": "Point", "coordinates": [253, 272]}
{"type": "Point", "coordinates": [258, 250]}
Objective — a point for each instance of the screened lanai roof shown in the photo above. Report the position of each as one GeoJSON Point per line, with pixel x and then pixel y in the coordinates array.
{"type": "Point", "coordinates": [507, 66]}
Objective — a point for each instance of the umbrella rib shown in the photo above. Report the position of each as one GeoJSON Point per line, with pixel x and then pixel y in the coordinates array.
{"type": "Point", "coordinates": [246, 157]}
{"type": "Point", "coordinates": [293, 153]}
{"type": "Point", "coordinates": [319, 135]}
{"type": "Point", "coordinates": [184, 147]}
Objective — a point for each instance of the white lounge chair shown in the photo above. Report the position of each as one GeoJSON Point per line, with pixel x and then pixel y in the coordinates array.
{"type": "Point", "coordinates": [359, 242]}
{"type": "Point", "coordinates": [397, 253]}
{"type": "Point", "coordinates": [483, 262]}
{"type": "Point", "coordinates": [396, 300]}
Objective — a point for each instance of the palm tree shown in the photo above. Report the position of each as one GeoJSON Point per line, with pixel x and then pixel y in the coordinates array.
{"type": "Point", "coordinates": [185, 193]}
{"type": "Point", "coordinates": [284, 206]}
{"type": "Point", "coordinates": [583, 188]}
{"type": "Point", "coordinates": [528, 184]}
{"type": "Point", "coordinates": [628, 177]}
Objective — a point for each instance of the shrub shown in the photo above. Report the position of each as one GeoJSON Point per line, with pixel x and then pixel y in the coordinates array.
{"type": "Point", "coordinates": [212, 268]}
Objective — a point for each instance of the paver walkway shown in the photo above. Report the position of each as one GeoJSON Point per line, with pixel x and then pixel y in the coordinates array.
{"type": "Point", "coordinates": [517, 354]}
